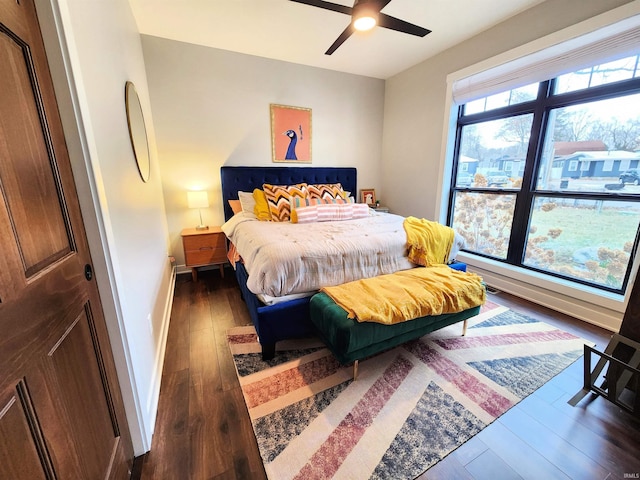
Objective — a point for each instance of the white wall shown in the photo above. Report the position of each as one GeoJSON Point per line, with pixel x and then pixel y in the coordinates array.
{"type": "Point", "coordinates": [94, 48]}
{"type": "Point", "coordinates": [414, 112]}
{"type": "Point", "coordinates": [415, 124]}
{"type": "Point", "coordinates": [211, 108]}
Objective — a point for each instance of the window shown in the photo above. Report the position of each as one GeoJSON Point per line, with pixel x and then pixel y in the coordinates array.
{"type": "Point", "coordinates": [554, 169]}
{"type": "Point", "coordinates": [610, 72]}
{"type": "Point", "coordinates": [512, 97]}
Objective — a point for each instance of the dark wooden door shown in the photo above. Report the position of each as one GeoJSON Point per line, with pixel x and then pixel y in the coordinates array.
{"type": "Point", "coordinates": [61, 412]}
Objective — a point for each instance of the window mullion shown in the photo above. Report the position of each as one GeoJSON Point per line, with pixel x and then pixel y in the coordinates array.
{"type": "Point", "coordinates": [524, 197]}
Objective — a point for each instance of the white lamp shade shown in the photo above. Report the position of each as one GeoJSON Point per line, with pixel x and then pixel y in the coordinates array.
{"type": "Point", "coordinates": [197, 200]}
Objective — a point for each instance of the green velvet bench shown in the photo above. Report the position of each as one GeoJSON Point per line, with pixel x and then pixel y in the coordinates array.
{"type": "Point", "coordinates": [350, 340]}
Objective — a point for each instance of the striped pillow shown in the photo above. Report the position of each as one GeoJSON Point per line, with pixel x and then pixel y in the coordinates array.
{"type": "Point", "coordinates": [279, 199]}
{"type": "Point", "coordinates": [326, 191]}
{"type": "Point", "coordinates": [330, 212]}
{"type": "Point", "coordinates": [297, 202]}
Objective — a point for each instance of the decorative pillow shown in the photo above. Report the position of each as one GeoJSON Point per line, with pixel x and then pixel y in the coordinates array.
{"type": "Point", "coordinates": [326, 191]}
{"type": "Point", "coordinates": [297, 202]}
{"type": "Point", "coordinates": [236, 206]}
{"type": "Point", "coordinates": [247, 201]}
{"type": "Point", "coordinates": [261, 210]}
{"type": "Point", "coordinates": [330, 212]}
{"type": "Point", "coordinates": [279, 199]}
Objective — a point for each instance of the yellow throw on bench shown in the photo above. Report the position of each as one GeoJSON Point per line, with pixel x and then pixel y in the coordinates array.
{"type": "Point", "coordinates": [409, 294]}
{"type": "Point", "coordinates": [429, 243]}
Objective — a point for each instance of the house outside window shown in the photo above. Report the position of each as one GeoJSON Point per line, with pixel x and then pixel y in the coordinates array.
{"type": "Point", "coordinates": [565, 210]}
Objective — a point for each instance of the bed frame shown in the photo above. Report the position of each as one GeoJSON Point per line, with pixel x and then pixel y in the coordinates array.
{"type": "Point", "coordinates": [287, 319]}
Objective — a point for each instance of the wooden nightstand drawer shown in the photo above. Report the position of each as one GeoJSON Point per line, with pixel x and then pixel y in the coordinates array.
{"type": "Point", "coordinates": [205, 256]}
{"type": "Point", "coordinates": [205, 248]}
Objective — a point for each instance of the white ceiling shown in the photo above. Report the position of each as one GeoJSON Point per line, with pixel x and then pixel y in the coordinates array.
{"type": "Point", "coordinates": [293, 32]}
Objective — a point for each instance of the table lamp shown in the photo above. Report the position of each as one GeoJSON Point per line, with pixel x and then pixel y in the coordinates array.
{"type": "Point", "coordinates": [198, 200]}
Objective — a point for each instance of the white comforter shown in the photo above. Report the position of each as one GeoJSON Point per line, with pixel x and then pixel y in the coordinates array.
{"type": "Point", "coordinates": [282, 258]}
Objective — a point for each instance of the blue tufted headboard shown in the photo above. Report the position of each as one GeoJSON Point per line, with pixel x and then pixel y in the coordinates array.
{"type": "Point", "coordinates": [245, 179]}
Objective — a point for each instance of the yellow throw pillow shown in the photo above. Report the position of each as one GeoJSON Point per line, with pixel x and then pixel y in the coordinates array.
{"type": "Point", "coordinates": [262, 207]}
{"type": "Point", "coordinates": [279, 199]}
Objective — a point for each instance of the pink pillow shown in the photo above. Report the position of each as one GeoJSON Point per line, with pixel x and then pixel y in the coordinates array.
{"type": "Point", "coordinates": [330, 212]}
{"type": "Point", "coordinates": [236, 206]}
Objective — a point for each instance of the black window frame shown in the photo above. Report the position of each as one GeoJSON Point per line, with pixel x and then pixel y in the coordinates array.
{"type": "Point", "coordinates": [545, 102]}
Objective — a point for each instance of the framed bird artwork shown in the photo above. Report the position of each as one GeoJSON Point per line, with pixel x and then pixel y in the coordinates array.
{"type": "Point", "coordinates": [368, 196]}
{"type": "Point", "coordinates": [290, 134]}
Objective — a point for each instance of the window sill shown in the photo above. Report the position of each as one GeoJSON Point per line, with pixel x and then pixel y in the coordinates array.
{"type": "Point", "coordinates": [592, 305]}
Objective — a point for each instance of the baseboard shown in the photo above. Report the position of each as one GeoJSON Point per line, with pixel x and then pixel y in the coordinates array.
{"type": "Point", "coordinates": [183, 269]}
{"type": "Point", "coordinates": [154, 397]}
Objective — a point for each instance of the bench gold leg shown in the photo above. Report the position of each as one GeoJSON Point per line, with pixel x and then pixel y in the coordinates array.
{"type": "Point", "coordinates": [355, 370]}
{"type": "Point", "coordinates": [464, 328]}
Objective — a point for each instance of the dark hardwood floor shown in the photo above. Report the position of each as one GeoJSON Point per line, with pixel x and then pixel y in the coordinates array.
{"type": "Point", "coordinates": [203, 430]}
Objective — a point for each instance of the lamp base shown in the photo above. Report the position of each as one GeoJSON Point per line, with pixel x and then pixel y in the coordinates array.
{"type": "Point", "coordinates": [202, 227]}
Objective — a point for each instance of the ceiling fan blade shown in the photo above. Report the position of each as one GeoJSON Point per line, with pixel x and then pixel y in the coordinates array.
{"type": "Point", "coordinates": [398, 25]}
{"type": "Point", "coordinates": [327, 6]}
{"type": "Point", "coordinates": [340, 40]}
{"type": "Point", "coordinates": [382, 4]}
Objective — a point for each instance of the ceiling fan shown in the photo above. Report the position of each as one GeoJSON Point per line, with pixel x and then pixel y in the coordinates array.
{"type": "Point", "coordinates": [365, 14]}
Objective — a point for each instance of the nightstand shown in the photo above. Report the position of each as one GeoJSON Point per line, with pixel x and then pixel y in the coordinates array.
{"type": "Point", "coordinates": [381, 209]}
{"type": "Point", "coordinates": [204, 247]}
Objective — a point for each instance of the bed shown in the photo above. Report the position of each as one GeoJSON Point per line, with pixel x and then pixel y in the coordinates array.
{"type": "Point", "coordinates": [289, 319]}
{"type": "Point", "coordinates": [383, 252]}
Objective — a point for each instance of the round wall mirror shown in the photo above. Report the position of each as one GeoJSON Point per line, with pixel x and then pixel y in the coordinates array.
{"type": "Point", "coordinates": [137, 130]}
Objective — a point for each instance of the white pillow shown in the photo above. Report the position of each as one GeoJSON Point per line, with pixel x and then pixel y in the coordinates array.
{"type": "Point", "coordinates": [247, 201]}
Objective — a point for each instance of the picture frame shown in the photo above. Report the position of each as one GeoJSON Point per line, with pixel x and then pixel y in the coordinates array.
{"type": "Point", "coordinates": [290, 134]}
{"type": "Point", "coordinates": [368, 196]}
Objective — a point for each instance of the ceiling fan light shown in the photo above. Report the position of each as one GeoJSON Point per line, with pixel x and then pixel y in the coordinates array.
{"type": "Point", "coordinates": [365, 16]}
{"type": "Point", "coordinates": [364, 23]}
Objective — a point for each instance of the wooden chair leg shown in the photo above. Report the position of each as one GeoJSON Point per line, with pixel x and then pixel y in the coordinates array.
{"type": "Point", "coordinates": [355, 370]}
{"type": "Point", "coordinates": [464, 328]}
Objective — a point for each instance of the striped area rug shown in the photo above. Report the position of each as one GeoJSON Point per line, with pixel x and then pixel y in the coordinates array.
{"type": "Point", "coordinates": [409, 407]}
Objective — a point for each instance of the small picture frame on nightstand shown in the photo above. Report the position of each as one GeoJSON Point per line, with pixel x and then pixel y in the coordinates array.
{"type": "Point", "coordinates": [368, 196]}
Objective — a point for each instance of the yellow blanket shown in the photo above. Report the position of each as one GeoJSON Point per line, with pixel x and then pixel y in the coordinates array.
{"type": "Point", "coordinates": [409, 294]}
{"type": "Point", "coordinates": [429, 243]}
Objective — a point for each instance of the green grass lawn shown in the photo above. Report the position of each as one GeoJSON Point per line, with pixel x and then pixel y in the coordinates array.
{"type": "Point", "coordinates": [588, 227]}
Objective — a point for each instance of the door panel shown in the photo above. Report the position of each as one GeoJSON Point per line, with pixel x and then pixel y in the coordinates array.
{"type": "Point", "coordinates": [63, 415]}
{"type": "Point", "coordinates": [75, 365]}
{"type": "Point", "coordinates": [37, 219]}
{"type": "Point", "coordinates": [21, 461]}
